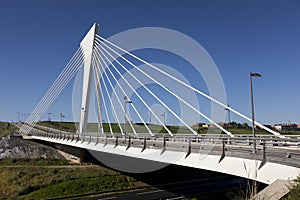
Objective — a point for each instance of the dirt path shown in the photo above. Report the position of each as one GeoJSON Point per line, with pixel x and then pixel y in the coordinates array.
{"type": "Point", "coordinates": [51, 166]}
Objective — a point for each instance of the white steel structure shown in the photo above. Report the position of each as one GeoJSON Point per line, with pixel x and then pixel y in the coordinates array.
{"type": "Point", "coordinates": [98, 58]}
{"type": "Point", "coordinates": [87, 46]}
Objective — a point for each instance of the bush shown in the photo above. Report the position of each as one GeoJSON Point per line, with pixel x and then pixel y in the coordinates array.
{"type": "Point", "coordinates": [294, 194]}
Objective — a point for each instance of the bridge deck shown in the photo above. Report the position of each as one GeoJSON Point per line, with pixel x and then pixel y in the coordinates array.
{"type": "Point", "coordinates": [282, 151]}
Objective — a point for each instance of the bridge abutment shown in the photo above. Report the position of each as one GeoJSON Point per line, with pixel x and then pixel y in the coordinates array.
{"type": "Point", "coordinates": [72, 154]}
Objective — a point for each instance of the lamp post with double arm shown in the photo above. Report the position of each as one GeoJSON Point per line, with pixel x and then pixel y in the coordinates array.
{"type": "Point", "coordinates": [252, 107]}
{"type": "Point", "coordinates": [126, 101]}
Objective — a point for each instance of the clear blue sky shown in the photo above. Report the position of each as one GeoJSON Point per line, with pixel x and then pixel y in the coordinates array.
{"type": "Point", "coordinates": [37, 38]}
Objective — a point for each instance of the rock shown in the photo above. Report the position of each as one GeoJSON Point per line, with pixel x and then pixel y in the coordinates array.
{"type": "Point", "coordinates": [16, 147]}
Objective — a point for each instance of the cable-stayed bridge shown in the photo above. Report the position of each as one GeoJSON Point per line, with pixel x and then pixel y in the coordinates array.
{"type": "Point", "coordinates": [119, 76]}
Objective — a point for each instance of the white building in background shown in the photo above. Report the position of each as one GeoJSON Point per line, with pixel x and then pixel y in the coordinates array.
{"type": "Point", "coordinates": [285, 127]}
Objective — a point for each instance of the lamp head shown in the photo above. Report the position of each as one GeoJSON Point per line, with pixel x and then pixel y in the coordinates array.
{"type": "Point", "coordinates": [255, 74]}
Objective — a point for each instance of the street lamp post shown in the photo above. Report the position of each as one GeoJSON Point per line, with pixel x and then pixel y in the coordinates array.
{"type": "Point", "coordinates": [18, 117]}
{"type": "Point", "coordinates": [125, 114]}
{"type": "Point", "coordinates": [228, 115]}
{"type": "Point", "coordinates": [252, 107]}
{"type": "Point", "coordinates": [61, 119]}
{"type": "Point", "coordinates": [164, 117]}
{"type": "Point", "coordinates": [49, 119]}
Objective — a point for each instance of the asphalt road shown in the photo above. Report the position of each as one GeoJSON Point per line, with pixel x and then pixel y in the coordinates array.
{"type": "Point", "coordinates": [177, 191]}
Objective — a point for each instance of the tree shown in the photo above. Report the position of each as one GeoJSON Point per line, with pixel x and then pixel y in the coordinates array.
{"type": "Point", "coordinates": [245, 125]}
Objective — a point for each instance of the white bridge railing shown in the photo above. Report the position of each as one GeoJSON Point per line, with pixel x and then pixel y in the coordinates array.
{"type": "Point", "coordinates": [279, 150]}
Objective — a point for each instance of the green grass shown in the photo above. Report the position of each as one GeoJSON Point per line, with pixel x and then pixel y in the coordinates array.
{"type": "Point", "coordinates": [65, 126]}
{"type": "Point", "coordinates": [33, 162]}
{"type": "Point", "coordinates": [157, 129]}
{"type": "Point", "coordinates": [6, 129]}
{"type": "Point", "coordinates": [294, 194]}
{"type": "Point", "coordinates": [260, 131]}
{"type": "Point", "coordinates": [240, 131]}
{"type": "Point", "coordinates": [292, 132]}
{"type": "Point", "coordinates": [140, 128]}
{"type": "Point", "coordinates": [40, 179]}
{"type": "Point", "coordinates": [82, 185]}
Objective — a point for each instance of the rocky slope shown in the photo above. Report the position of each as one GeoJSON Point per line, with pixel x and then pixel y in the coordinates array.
{"type": "Point", "coordinates": [16, 147]}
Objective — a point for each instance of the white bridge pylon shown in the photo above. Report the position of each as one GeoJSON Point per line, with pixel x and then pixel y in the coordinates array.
{"type": "Point", "coordinates": [97, 56]}
{"type": "Point", "coordinates": [87, 46]}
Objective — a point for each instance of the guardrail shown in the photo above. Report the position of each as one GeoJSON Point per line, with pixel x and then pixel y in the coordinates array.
{"type": "Point", "coordinates": [280, 150]}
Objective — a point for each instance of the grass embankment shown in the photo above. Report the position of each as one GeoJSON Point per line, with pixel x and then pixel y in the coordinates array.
{"type": "Point", "coordinates": [93, 127]}
{"type": "Point", "coordinates": [65, 126]}
{"type": "Point", "coordinates": [44, 178]}
{"type": "Point", "coordinates": [6, 129]}
{"type": "Point", "coordinates": [240, 131]}
{"type": "Point", "coordinates": [140, 128]}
